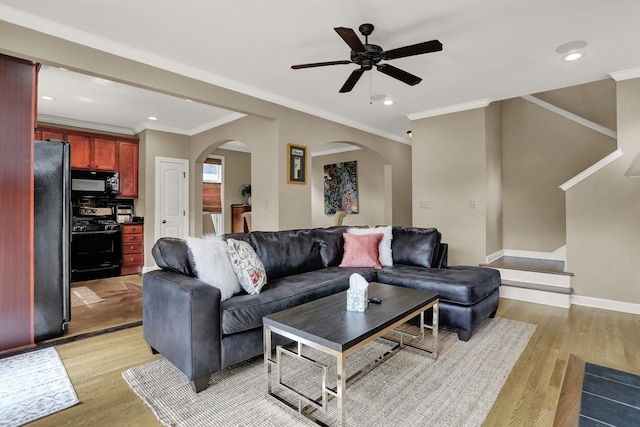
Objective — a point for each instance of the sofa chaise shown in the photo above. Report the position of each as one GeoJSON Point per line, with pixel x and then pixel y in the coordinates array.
{"type": "Point", "coordinates": [186, 320]}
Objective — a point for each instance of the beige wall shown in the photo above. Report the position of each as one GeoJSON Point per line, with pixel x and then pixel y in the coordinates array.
{"type": "Point", "coordinates": [261, 137]}
{"type": "Point", "coordinates": [493, 135]}
{"type": "Point", "coordinates": [603, 216]}
{"type": "Point", "coordinates": [541, 151]}
{"type": "Point", "coordinates": [450, 175]}
{"type": "Point", "coordinates": [371, 182]}
{"type": "Point", "coordinates": [154, 144]}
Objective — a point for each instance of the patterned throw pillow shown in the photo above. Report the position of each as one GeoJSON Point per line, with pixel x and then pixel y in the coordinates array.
{"type": "Point", "coordinates": [247, 265]}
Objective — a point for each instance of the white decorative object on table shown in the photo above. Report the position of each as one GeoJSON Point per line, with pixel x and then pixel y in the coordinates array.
{"type": "Point", "coordinates": [357, 294]}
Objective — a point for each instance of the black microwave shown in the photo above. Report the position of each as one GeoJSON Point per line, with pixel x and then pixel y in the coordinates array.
{"type": "Point", "coordinates": [90, 183]}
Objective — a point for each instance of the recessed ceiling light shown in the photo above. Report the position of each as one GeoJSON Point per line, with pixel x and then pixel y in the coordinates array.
{"type": "Point", "coordinates": [152, 118]}
{"type": "Point", "coordinates": [572, 56]}
{"type": "Point", "coordinates": [572, 51]}
{"type": "Point", "coordinates": [47, 98]}
{"type": "Point", "coordinates": [388, 102]}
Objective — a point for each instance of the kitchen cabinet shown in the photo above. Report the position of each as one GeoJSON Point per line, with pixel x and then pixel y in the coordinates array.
{"type": "Point", "coordinates": [80, 151]}
{"type": "Point", "coordinates": [92, 153]}
{"type": "Point", "coordinates": [104, 155]}
{"type": "Point", "coordinates": [17, 109]}
{"type": "Point", "coordinates": [100, 152]}
{"type": "Point", "coordinates": [128, 169]}
{"type": "Point", "coordinates": [45, 135]}
{"type": "Point", "coordinates": [132, 248]}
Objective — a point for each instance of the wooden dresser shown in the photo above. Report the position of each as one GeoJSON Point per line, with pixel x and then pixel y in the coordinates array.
{"type": "Point", "coordinates": [132, 248]}
{"type": "Point", "coordinates": [237, 222]}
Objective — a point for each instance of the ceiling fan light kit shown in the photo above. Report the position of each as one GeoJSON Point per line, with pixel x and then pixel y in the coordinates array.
{"type": "Point", "coordinates": [368, 56]}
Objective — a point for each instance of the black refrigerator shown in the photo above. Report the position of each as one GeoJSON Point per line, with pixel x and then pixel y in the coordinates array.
{"type": "Point", "coordinates": [51, 239]}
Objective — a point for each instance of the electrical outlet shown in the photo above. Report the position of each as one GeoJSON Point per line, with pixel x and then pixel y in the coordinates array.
{"type": "Point", "coordinates": [472, 204]}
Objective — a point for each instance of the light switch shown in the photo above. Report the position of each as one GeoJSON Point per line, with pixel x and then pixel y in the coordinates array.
{"type": "Point", "coordinates": [423, 204]}
{"type": "Point", "coordinates": [472, 203]}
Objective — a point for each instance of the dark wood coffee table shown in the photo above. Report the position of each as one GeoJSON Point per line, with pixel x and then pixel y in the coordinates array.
{"type": "Point", "coordinates": [326, 325]}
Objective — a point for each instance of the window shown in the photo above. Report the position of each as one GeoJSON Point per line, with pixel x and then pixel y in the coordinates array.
{"type": "Point", "coordinates": [211, 173]}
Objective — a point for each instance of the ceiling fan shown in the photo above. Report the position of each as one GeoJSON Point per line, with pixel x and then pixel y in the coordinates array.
{"type": "Point", "coordinates": [369, 55]}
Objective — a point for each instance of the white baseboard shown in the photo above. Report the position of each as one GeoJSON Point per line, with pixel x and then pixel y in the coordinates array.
{"type": "Point", "coordinates": [606, 304]}
{"type": "Point", "coordinates": [565, 301]}
{"type": "Point", "coordinates": [559, 254]}
{"type": "Point", "coordinates": [494, 256]}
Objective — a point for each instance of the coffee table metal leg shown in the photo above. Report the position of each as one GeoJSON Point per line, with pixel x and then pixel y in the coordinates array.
{"type": "Point", "coordinates": [341, 385]}
{"type": "Point", "coordinates": [267, 355]}
{"type": "Point", "coordinates": [434, 331]}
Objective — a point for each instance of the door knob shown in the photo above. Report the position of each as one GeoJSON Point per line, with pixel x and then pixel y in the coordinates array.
{"type": "Point", "coordinates": [164, 221]}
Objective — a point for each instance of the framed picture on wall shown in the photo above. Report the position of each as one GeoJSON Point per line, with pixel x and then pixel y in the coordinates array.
{"type": "Point", "coordinates": [296, 164]}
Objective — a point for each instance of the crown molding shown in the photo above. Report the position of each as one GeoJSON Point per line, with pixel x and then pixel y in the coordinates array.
{"type": "Point", "coordinates": [190, 132]}
{"type": "Point", "coordinates": [85, 125]}
{"type": "Point", "coordinates": [472, 105]}
{"type": "Point", "coordinates": [628, 74]}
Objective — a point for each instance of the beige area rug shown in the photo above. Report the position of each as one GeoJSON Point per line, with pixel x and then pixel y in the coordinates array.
{"type": "Point", "coordinates": [33, 385]}
{"type": "Point", "coordinates": [457, 389]}
{"type": "Point", "coordinates": [82, 295]}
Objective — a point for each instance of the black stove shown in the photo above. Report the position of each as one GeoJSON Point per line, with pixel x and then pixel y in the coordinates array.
{"type": "Point", "coordinates": [93, 224]}
{"type": "Point", "coordinates": [96, 247]}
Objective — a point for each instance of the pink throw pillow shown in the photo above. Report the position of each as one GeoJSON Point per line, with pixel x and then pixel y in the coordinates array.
{"type": "Point", "coordinates": [361, 250]}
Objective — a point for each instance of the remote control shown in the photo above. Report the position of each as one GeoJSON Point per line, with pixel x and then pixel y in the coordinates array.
{"type": "Point", "coordinates": [375, 300]}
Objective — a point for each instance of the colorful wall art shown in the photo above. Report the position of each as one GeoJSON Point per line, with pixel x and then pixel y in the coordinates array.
{"type": "Point", "coordinates": [341, 188]}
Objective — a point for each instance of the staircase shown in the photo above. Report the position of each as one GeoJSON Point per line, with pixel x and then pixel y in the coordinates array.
{"type": "Point", "coordinates": [534, 280]}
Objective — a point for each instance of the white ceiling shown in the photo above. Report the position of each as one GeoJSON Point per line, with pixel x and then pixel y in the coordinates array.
{"type": "Point", "coordinates": [493, 50]}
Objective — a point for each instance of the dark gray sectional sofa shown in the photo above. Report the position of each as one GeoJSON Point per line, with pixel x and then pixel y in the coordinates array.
{"type": "Point", "coordinates": [185, 320]}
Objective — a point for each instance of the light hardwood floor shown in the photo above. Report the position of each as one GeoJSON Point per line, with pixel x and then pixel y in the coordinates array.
{"type": "Point", "coordinates": [529, 397]}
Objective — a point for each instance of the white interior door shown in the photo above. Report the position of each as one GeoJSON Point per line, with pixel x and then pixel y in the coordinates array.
{"type": "Point", "coordinates": [172, 197]}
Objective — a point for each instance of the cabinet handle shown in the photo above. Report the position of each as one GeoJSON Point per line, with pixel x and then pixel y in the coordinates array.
{"type": "Point", "coordinates": [133, 247]}
{"type": "Point", "coordinates": [133, 259]}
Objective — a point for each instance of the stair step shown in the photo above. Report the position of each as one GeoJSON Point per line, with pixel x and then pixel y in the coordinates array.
{"type": "Point", "coordinates": [538, 287]}
{"type": "Point", "coordinates": [529, 264]}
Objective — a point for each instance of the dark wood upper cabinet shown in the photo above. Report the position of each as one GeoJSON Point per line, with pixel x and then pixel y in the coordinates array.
{"type": "Point", "coordinates": [100, 152]}
{"type": "Point", "coordinates": [80, 151]}
{"type": "Point", "coordinates": [104, 155]}
{"type": "Point", "coordinates": [128, 168]}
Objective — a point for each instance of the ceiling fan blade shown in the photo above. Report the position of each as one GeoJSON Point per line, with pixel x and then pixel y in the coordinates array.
{"type": "Point", "coordinates": [351, 38]}
{"type": "Point", "coordinates": [414, 49]}
{"type": "Point", "coordinates": [320, 64]}
{"type": "Point", "coordinates": [399, 74]}
{"type": "Point", "coordinates": [352, 80]}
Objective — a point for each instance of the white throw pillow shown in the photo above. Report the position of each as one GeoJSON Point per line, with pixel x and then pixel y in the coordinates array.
{"type": "Point", "coordinates": [247, 265]}
{"type": "Point", "coordinates": [384, 249]}
{"type": "Point", "coordinates": [212, 263]}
